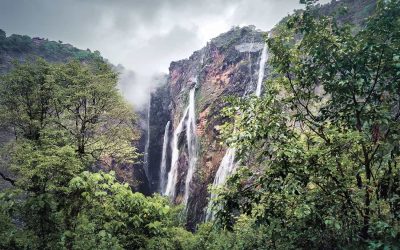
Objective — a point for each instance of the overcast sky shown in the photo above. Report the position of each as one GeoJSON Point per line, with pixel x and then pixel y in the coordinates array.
{"type": "Point", "coordinates": [142, 35]}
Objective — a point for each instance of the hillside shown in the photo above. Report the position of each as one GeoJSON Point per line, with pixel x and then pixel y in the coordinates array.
{"type": "Point", "coordinates": [21, 47]}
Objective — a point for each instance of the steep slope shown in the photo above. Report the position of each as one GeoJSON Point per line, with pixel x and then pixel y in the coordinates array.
{"type": "Point", "coordinates": [157, 116]}
{"type": "Point", "coordinates": [227, 66]}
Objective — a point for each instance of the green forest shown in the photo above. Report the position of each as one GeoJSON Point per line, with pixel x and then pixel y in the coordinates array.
{"type": "Point", "coordinates": [319, 151]}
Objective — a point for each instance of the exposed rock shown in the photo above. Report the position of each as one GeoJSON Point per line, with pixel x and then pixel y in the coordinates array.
{"type": "Point", "coordinates": [159, 116]}
{"type": "Point", "coordinates": [228, 65]}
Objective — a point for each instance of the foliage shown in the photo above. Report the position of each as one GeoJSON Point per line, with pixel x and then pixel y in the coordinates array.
{"type": "Point", "coordinates": [25, 95]}
{"type": "Point", "coordinates": [81, 101]}
{"type": "Point", "coordinates": [51, 50]}
{"type": "Point", "coordinates": [320, 148]}
{"type": "Point", "coordinates": [94, 114]}
{"type": "Point", "coordinates": [319, 151]}
{"type": "Point", "coordinates": [109, 214]}
{"type": "Point", "coordinates": [66, 118]}
{"type": "Point", "coordinates": [15, 43]}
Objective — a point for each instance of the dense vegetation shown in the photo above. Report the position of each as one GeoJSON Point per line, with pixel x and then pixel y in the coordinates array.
{"type": "Point", "coordinates": [66, 119]}
{"type": "Point", "coordinates": [327, 174]}
{"type": "Point", "coordinates": [318, 152]}
{"type": "Point", "coordinates": [21, 48]}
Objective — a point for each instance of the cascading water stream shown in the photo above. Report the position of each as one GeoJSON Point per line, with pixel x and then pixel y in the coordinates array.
{"type": "Point", "coordinates": [192, 144]}
{"type": "Point", "coordinates": [228, 164]}
{"type": "Point", "coordinates": [225, 169]}
{"type": "Point", "coordinates": [188, 121]}
{"type": "Point", "coordinates": [173, 172]}
{"type": "Point", "coordinates": [147, 145]}
{"type": "Point", "coordinates": [163, 166]}
{"type": "Point", "coordinates": [261, 71]}
{"type": "Point", "coordinates": [250, 64]}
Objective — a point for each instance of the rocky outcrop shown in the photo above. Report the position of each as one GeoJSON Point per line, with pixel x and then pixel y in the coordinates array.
{"type": "Point", "coordinates": [159, 116]}
{"type": "Point", "coordinates": [139, 181]}
{"type": "Point", "coordinates": [227, 66]}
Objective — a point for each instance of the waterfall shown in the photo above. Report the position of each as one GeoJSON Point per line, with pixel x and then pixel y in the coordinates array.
{"type": "Point", "coordinates": [146, 147]}
{"type": "Point", "coordinates": [173, 172]}
{"type": "Point", "coordinates": [250, 64]}
{"type": "Point", "coordinates": [263, 60]}
{"type": "Point", "coordinates": [226, 168]}
{"type": "Point", "coordinates": [192, 144]}
{"type": "Point", "coordinates": [188, 121]}
{"type": "Point", "coordinates": [163, 166]}
{"type": "Point", "coordinates": [250, 84]}
{"type": "Point", "coordinates": [228, 164]}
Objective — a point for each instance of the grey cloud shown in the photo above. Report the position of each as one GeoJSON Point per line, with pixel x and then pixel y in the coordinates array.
{"type": "Point", "coordinates": [137, 87]}
{"type": "Point", "coordinates": [143, 35]}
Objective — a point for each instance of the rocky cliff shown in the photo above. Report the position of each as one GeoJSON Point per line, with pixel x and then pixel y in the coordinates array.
{"type": "Point", "coordinates": [227, 66]}
{"type": "Point", "coordinates": [159, 115]}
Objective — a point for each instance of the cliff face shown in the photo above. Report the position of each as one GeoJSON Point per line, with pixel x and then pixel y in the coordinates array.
{"type": "Point", "coordinates": [159, 115]}
{"type": "Point", "coordinates": [227, 66]}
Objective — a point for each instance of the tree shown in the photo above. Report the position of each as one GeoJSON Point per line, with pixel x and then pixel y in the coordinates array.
{"type": "Point", "coordinates": [25, 95]}
{"type": "Point", "coordinates": [66, 119]}
{"type": "Point", "coordinates": [44, 170]}
{"type": "Point", "coordinates": [108, 214]}
{"type": "Point", "coordinates": [90, 108]}
{"type": "Point", "coordinates": [81, 99]}
{"type": "Point", "coordinates": [322, 144]}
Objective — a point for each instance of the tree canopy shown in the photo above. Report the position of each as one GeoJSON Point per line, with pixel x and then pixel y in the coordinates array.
{"type": "Point", "coordinates": [320, 149]}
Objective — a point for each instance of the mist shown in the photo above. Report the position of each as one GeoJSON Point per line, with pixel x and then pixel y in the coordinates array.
{"type": "Point", "coordinates": [143, 36]}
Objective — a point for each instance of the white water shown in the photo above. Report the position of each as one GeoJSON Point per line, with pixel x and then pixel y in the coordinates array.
{"type": "Point", "coordinates": [226, 168]}
{"type": "Point", "coordinates": [188, 121]}
{"type": "Point", "coordinates": [146, 147]}
{"type": "Point", "coordinates": [192, 145]}
{"type": "Point", "coordinates": [249, 47]}
{"type": "Point", "coordinates": [163, 166]}
{"type": "Point", "coordinates": [228, 164]}
{"type": "Point", "coordinates": [261, 71]}
{"type": "Point", "coordinates": [173, 172]}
